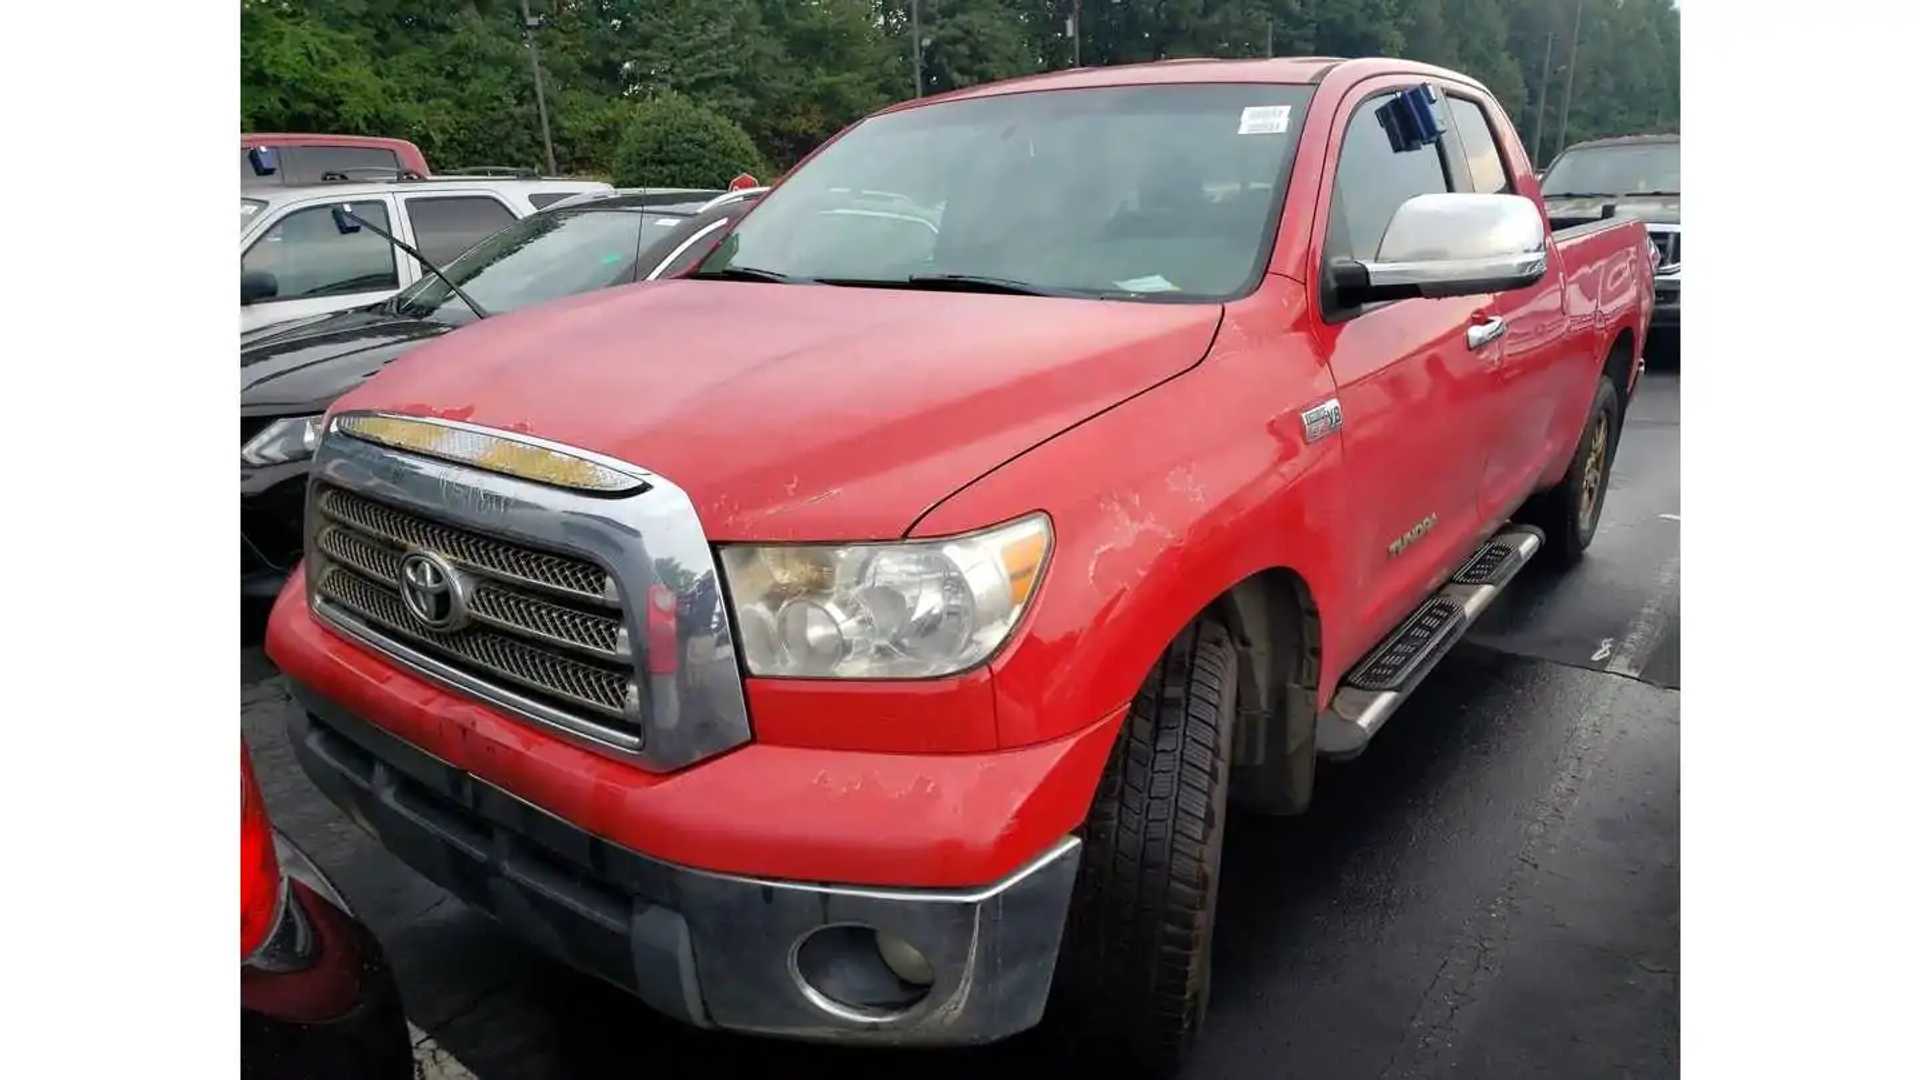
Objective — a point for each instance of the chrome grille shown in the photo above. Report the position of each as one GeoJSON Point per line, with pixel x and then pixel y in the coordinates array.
{"type": "Point", "coordinates": [546, 570]}
{"type": "Point", "coordinates": [599, 689]}
{"type": "Point", "coordinates": [538, 621]}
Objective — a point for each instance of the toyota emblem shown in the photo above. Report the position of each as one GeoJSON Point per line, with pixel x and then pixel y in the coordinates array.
{"type": "Point", "coordinates": [433, 591]}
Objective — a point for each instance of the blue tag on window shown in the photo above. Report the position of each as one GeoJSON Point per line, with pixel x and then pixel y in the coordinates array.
{"type": "Point", "coordinates": [1411, 120]}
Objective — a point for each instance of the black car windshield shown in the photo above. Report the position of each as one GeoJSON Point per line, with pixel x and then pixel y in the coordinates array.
{"type": "Point", "coordinates": [548, 255]}
{"type": "Point", "coordinates": [1623, 169]}
{"type": "Point", "coordinates": [1161, 192]}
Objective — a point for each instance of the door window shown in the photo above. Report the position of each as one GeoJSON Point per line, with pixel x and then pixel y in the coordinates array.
{"type": "Point", "coordinates": [312, 164]}
{"type": "Point", "coordinates": [309, 256]}
{"type": "Point", "coordinates": [1488, 172]}
{"type": "Point", "coordinates": [445, 227]}
{"type": "Point", "coordinates": [1372, 179]}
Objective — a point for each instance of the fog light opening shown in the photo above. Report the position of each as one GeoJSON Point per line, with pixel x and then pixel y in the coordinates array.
{"type": "Point", "coordinates": [859, 973]}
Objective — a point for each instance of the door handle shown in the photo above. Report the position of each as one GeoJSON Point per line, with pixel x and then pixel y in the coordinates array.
{"type": "Point", "coordinates": [1485, 331]}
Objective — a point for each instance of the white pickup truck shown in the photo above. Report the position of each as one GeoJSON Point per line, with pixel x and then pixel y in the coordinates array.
{"type": "Point", "coordinates": [295, 261]}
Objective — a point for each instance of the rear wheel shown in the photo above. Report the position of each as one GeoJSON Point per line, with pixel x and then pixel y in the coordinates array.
{"type": "Point", "coordinates": [1138, 955]}
{"type": "Point", "coordinates": [1569, 512]}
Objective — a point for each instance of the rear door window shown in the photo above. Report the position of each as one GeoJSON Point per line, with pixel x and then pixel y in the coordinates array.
{"type": "Point", "coordinates": [309, 256]}
{"type": "Point", "coordinates": [446, 226]}
{"type": "Point", "coordinates": [1489, 173]}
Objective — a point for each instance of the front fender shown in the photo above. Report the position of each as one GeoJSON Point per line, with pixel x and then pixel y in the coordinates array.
{"type": "Point", "coordinates": [1160, 505]}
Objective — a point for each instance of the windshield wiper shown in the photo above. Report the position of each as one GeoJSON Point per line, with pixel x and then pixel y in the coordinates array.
{"type": "Point", "coordinates": [954, 283]}
{"type": "Point", "coordinates": [747, 273]}
{"type": "Point", "coordinates": [347, 222]}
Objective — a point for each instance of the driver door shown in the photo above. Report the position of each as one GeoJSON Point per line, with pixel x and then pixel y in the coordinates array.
{"type": "Point", "coordinates": [1413, 391]}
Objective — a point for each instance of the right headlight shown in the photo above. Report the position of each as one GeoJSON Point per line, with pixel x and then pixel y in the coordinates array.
{"type": "Point", "coordinates": [913, 609]}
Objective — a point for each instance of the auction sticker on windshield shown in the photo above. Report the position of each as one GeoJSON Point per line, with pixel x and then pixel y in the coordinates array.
{"type": "Point", "coordinates": [1264, 119]}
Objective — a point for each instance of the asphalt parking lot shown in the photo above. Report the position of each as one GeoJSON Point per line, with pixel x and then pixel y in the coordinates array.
{"type": "Point", "coordinates": [1493, 889]}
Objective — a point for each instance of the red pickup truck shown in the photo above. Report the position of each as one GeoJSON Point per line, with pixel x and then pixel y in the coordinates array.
{"type": "Point", "coordinates": [862, 638]}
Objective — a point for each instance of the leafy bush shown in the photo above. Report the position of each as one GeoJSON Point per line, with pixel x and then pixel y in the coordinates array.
{"type": "Point", "coordinates": [672, 142]}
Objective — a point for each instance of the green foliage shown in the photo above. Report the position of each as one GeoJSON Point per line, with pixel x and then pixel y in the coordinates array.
{"type": "Point", "coordinates": [673, 142]}
{"type": "Point", "coordinates": [455, 75]}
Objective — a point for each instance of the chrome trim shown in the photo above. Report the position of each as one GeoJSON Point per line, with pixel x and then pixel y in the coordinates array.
{"type": "Point", "coordinates": [654, 274]}
{"type": "Point", "coordinates": [1486, 332]}
{"type": "Point", "coordinates": [1458, 244]}
{"type": "Point", "coordinates": [688, 707]}
{"type": "Point", "coordinates": [482, 448]}
{"type": "Point", "coordinates": [1356, 715]}
{"type": "Point", "coordinates": [732, 196]}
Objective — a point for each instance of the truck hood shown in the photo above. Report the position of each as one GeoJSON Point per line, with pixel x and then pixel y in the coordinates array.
{"type": "Point", "coordinates": [1656, 209]}
{"type": "Point", "coordinates": [299, 367]}
{"type": "Point", "coordinates": [799, 412]}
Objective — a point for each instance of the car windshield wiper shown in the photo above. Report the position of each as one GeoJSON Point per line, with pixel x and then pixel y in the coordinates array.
{"type": "Point", "coordinates": [747, 273]}
{"type": "Point", "coordinates": [955, 283]}
{"type": "Point", "coordinates": [1579, 195]}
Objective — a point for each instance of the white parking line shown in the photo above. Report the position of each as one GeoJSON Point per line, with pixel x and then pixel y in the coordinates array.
{"type": "Point", "coordinates": [1671, 517]}
{"type": "Point", "coordinates": [431, 1061]}
{"type": "Point", "coordinates": [1629, 658]}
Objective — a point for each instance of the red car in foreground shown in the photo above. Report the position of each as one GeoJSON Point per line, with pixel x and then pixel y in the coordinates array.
{"type": "Point", "coordinates": [863, 638]}
{"type": "Point", "coordinates": [316, 996]}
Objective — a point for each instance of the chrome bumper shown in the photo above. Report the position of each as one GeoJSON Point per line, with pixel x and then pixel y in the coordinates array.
{"type": "Point", "coordinates": [712, 950]}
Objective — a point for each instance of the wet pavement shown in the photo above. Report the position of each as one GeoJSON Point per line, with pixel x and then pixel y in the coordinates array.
{"type": "Point", "coordinates": [1492, 889]}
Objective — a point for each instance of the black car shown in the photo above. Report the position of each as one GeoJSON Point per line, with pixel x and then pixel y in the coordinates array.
{"type": "Point", "coordinates": [317, 998]}
{"type": "Point", "coordinates": [290, 372]}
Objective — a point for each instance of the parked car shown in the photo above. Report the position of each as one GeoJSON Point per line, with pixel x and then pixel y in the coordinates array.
{"type": "Point", "coordinates": [291, 372]}
{"type": "Point", "coordinates": [284, 159]}
{"type": "Point", "coordinates": [316, 996]}
{"type": "Point", "coordinates": [295, 261]}
{"type": "Point", "coordinates": [862, 638]}
{"type": "Point", "coordinates": [1637, 176]}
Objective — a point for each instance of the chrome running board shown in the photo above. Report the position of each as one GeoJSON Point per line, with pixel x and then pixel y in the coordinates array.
{"type": "Point", "coordinates": [1381, 681]}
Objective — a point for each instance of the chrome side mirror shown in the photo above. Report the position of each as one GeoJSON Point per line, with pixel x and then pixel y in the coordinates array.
{"type": "Point", "coordinates": [1454, 244]}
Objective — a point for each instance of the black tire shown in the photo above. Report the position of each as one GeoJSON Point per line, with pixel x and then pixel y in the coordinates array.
{"type": "Point", "coordinates": [1138, 955]}
{"type": "Point", "coordinates": [1564, 511]}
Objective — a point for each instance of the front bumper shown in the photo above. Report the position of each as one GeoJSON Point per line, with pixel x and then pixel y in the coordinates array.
{"type": "Point", "coordinates": [714, 950]}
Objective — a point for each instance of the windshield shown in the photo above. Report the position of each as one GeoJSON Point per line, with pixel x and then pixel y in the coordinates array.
{"type": "Point", "coordinates": [1627, 169]}
{"type": "Point", "coordinates": [1165, 192]}
{"type": "Point", "coordinates": [549, 255]}
{"type": "Point", "coordinates": [248, 208]}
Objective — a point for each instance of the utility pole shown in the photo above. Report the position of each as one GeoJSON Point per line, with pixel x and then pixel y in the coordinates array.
{"type": "Point", "coordinates": [917, 88]}
{"type": "Point", "coordinates": [1540, 114]}
{"type": "Point", "coordinates": [539, 92]}
{"type": "Point", "coordinates": [1269, 37]}
{"type": "Point", "coordinates": [1073, 27]}
{"type": "Point", "coordinates": [1573, 55]}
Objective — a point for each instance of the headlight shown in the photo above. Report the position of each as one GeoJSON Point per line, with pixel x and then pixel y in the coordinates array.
{"type": "Point", "coordinates": [884, 611]}
{"type": "Point", "coordinates": [291, 438]}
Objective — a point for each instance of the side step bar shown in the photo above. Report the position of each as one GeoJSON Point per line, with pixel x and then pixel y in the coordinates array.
{"type": "Point", "coordinates": [1381, 681]}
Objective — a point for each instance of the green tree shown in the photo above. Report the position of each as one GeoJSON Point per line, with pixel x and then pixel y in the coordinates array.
{"type": "Point", "coordinates": [671, 141]}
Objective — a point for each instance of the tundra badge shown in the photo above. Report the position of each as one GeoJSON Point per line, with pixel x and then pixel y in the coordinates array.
{"type": "Point", "coordinates": [1322, 420]}
{"type": "Point", "coordinates": [1420, 529]}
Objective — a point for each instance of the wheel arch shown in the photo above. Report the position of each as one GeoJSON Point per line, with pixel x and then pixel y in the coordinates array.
{"type": "Point", "coordinates": [1275, 625]}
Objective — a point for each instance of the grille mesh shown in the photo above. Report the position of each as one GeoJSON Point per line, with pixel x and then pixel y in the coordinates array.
{"type": "Point", "coordinates": [599, 689]}
{"type": "Point", "coordinates": [576, 577]}
{"type": "Point", "coordinates": [490, 603]}
{"type": "Point", "coordinates": [595, 632]}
